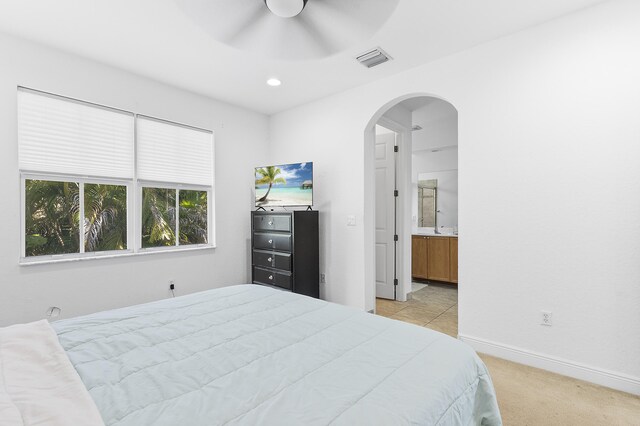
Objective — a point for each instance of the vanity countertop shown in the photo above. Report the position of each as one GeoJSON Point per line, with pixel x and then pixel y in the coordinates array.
{"type": "Point", "coordinates": [418, 234]}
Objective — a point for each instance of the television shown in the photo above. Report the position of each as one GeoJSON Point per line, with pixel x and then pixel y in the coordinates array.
{"type": "Point", "coordinates": [284, 185]}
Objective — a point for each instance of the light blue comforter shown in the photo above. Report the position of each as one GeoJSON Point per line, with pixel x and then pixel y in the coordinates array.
{"type": "Point", "coordinates": [252, 355]}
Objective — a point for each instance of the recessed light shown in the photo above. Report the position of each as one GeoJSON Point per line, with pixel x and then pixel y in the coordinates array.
{"type": "Point", "coordinates": [274, 82]}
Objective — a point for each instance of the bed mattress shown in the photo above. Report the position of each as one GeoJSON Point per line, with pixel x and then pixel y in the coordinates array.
{"type": "Point", "coordinates": [254, 355]}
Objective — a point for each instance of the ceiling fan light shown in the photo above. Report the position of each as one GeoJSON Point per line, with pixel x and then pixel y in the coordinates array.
{"type": "Point", "coordinates": [285, 8]}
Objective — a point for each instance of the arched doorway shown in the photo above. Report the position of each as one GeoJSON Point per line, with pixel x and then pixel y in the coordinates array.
{"type": "Point", "coordinates": [435, 137]}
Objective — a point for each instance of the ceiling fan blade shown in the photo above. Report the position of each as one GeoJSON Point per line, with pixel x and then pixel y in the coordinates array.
{"type": "Point", "coordinates": [350, 20]}
{"type": "Point", "coordinates": [250, 23]}
{"type": "Point", "coordinates": [224, 19]}
{"type": "Point", "coordinates": [326, 43]}
{"type": "Point", "coordinates": [323, 28]}
{"type": "Point", "coordinates": [279, 38]}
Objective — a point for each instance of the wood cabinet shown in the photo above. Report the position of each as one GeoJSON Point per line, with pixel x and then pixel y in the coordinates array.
{"type": "Point", "coordinates": [434, 258]}
{"type": "Point", "coordinates": [453, 260]}
{"type": "Point", "coordinates": [418, 256]}
{"type": "Point", "coordinates": [438, 258]}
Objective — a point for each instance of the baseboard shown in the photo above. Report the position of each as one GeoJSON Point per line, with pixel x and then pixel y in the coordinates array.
{"type": "Point", "coordinates": [598, 376]}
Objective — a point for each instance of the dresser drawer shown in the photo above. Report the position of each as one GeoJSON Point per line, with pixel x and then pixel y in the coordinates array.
{"type": "Point", "coordinates": [266, 241]}
{"type": "Point", "coordinates": [272, 259]}
{"type": "Point", "coordinates": [265, 276]}
{"type": "Point", "coordinates": [272, 222]}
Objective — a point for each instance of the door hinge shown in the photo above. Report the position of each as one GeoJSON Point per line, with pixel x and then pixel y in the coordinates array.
{"type": "Point", "coordinates": [395, 281]}
{"type": "Point", "coordinates": [395, 192]}
{"type": "Point", "coordinates": [395, 148]}
{"type": "Point", "coordinates": [395, 237]}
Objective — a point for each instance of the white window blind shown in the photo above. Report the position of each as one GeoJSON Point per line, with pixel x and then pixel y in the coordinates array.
{"type": "Point", "coordinates": [170, 152]}
{"type": "Point", "coordinates": [58, 135]}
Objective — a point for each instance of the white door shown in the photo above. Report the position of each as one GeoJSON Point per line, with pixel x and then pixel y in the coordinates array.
{"type": "Point", "coordinates": [385, 215]}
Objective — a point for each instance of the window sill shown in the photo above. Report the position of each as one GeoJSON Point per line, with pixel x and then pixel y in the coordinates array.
{"type": "Point", "coordinates": [142, 252]}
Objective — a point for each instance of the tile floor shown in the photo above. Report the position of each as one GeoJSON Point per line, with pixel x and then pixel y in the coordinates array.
{"type": "Point", "coordinates": [433, 306]}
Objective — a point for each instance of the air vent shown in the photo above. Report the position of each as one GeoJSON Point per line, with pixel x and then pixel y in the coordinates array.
{"type": "Point", "coordinates": [373, 57]}
{"type": "Point", "coordinates": [416, 127]}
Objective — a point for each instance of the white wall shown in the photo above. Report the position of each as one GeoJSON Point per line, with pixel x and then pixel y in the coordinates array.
{"type": "Point", "coordinates": [439, 122]}
{"type": "Point", "coordinates": [400, 116]}
{"type": "Point", "coordinates": [549, 141]}
{"type": "Point", "coordinates": [92, 285]}
{"type": "Point", "coordinates": [427, 161]}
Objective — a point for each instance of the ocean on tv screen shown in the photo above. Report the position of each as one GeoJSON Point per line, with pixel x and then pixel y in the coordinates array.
{"type": "Point", "coordinates": [284, 185]}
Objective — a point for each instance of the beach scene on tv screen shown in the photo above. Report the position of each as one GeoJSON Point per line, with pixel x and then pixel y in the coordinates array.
{"type": "Point", "coordinates": [284, 185]}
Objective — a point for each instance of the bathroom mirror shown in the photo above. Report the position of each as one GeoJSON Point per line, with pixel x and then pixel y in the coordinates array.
{"type": "Point", "coordinates": [427, 202]}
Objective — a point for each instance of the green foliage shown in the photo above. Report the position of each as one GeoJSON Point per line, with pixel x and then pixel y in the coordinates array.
{"type": "Point", "coordinates": [158, 217]}
{"type": "Point", "coordinates": [105, 217]}
{"type": "Point", "coordinates": [193, 217]}
{"type": "Point", "coordinates": [52, 214]}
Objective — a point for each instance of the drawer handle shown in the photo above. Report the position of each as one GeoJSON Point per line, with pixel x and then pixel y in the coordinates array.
{"type": "Point", "coordinates": [270, 223]}
{"type": "Point", "coordinates": [271, 277]}
{"type": "Point", "coordinates": [269, 260]}
{"type": "Point", "coordinates": [270, 241]}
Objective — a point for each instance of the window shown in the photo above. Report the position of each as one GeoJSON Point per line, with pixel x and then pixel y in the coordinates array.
{"type": "Point", "coordinates": [192, 217]}
{"type": "Point", "coordinates": [170, 212]}
{"type": "Point", "coordinates": [175, 172]}
{"type": "Point", "coordinates": [52, 217]}
{"type": "Point", "coordinates": [101, 181]}
{"type": "Point", "coordinates": [158, 217]}
{"type": "Point", "coordinates": [105, 217]}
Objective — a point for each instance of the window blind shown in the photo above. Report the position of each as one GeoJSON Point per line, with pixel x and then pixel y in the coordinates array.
{"type": "Point", "coordinates": [169, 152]}
{"type": "Point", "coordinates": [58, 135]}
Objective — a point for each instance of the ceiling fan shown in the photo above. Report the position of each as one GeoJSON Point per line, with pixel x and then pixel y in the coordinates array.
{"type": "Point", "coordinates": [286, 8]}
{"type": "Point", "coordinates": [290, 29]}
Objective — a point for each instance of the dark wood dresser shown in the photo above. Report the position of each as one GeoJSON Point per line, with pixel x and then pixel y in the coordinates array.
{"type": "Point", "coordinates": [285, 250]}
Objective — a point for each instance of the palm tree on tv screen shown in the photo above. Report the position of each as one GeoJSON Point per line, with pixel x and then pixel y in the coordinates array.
{"type": "Point", "coordinates": [269, 176]}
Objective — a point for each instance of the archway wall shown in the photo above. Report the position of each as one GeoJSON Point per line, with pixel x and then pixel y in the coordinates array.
{"type": "Point", "coordinates": [548, 149]}
{"type": "Point", "coordinates": [395, 116]}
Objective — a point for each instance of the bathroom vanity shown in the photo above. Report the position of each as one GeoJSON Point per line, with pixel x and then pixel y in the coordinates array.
{"type": "Point", "coordinates": [435, 257]}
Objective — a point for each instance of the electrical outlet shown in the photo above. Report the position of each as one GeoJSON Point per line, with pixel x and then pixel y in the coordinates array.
{"type": "Point", "coordinates": [172, 284]}
{"type": "Point", "coordinates": [323, 279]}
{"type": "Point", "coordinates": [351, 220]}
{"type": "Point", "coordinates": [546, 318]}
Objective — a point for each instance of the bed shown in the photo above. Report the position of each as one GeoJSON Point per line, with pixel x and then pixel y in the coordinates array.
{"type": "Point", "coordinates": [250, 355]}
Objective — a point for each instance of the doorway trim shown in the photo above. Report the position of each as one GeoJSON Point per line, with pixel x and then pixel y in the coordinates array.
{"type": "Point", "coordinates": [403, 141]}
{"type": "Point", "coordinates": [404, 186]}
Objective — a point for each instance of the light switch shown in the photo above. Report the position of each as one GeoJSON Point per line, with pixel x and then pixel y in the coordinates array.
{"type": "Point", "coordinates": [351, 220]}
